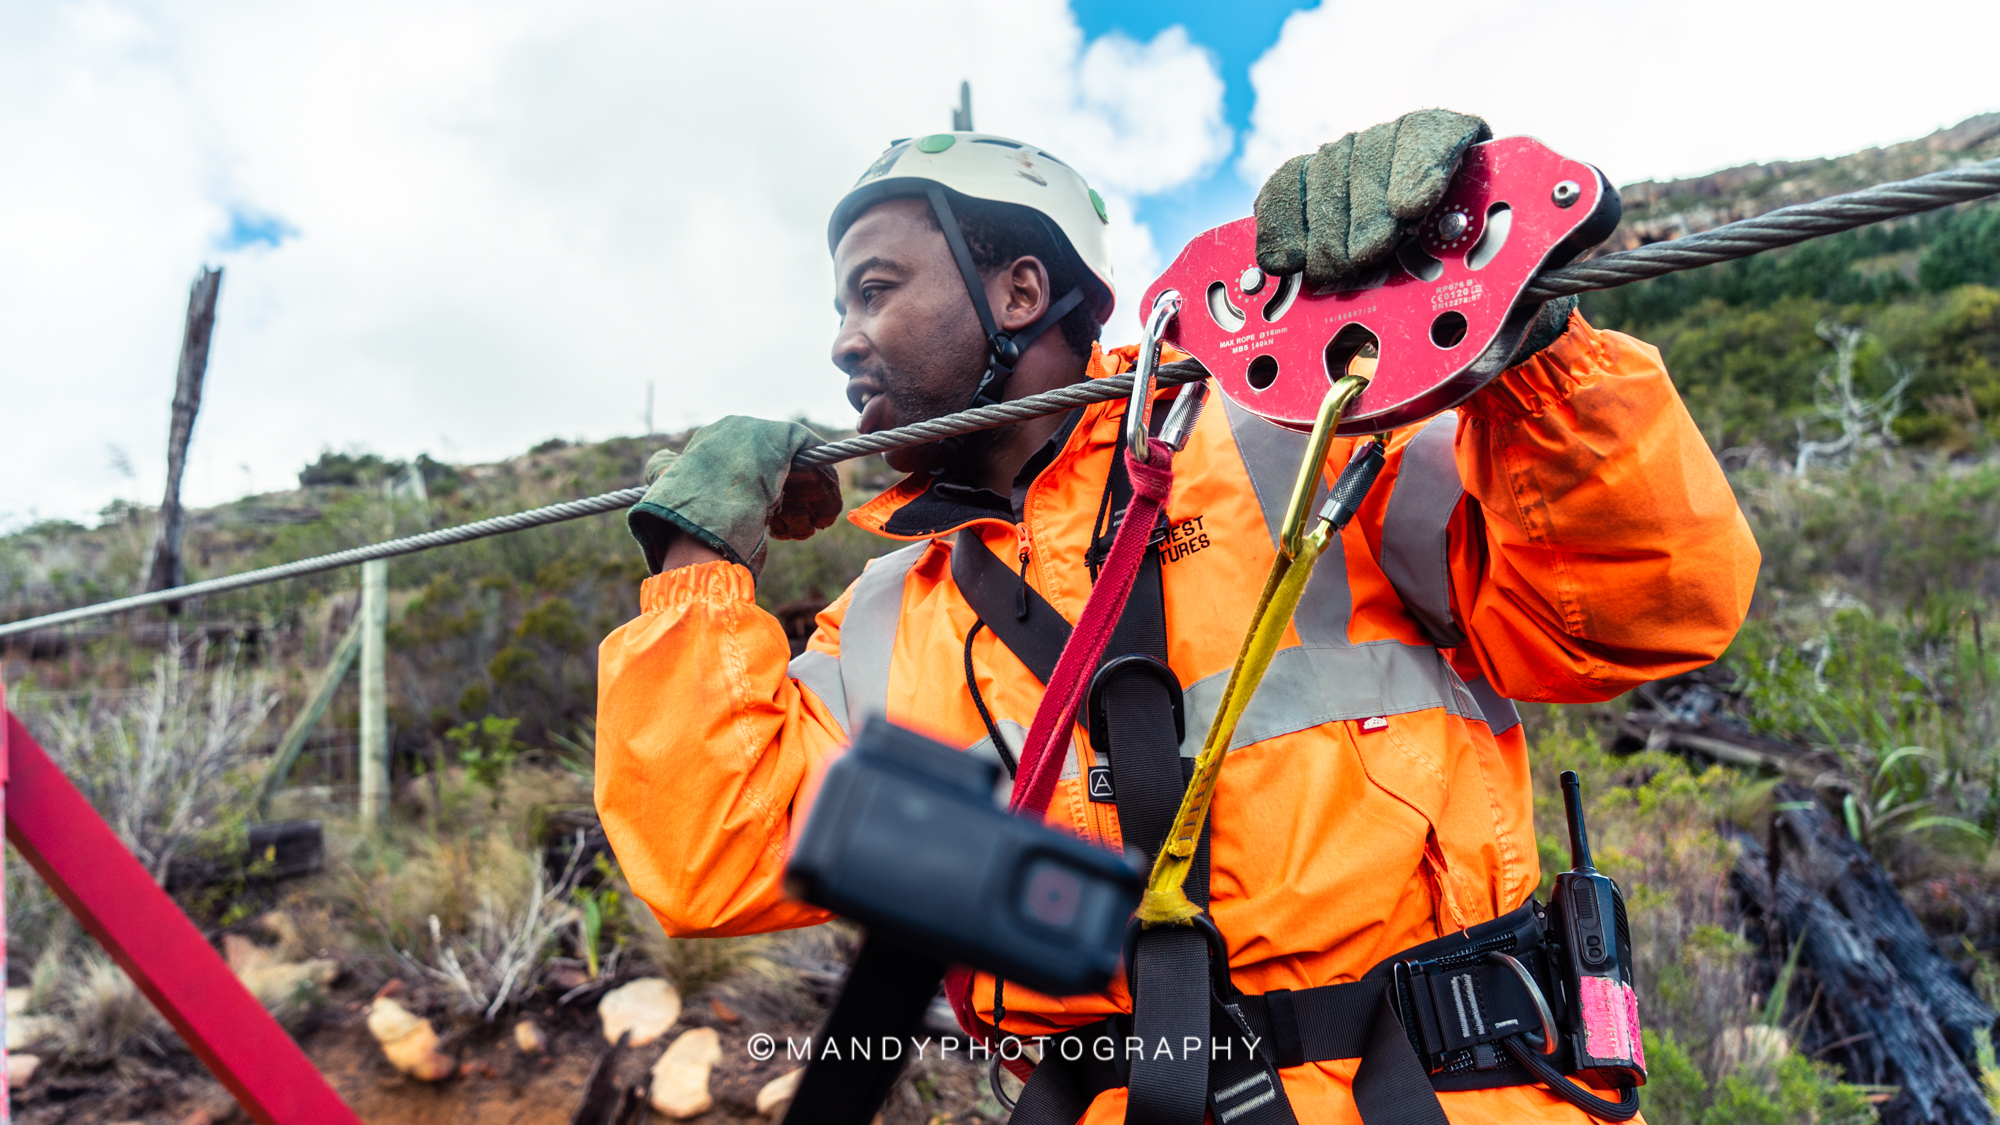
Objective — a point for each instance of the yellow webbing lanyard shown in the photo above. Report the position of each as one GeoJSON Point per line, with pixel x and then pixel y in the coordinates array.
{"type": "Point", "coordinates": [1166, 902]}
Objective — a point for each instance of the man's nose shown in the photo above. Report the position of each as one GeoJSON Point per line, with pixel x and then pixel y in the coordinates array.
{"type": "Point", "coordinates": [850, 347]}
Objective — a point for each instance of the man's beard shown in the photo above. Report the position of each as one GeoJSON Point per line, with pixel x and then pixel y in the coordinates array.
{"type": "Point", "coordinates": [913, 402]}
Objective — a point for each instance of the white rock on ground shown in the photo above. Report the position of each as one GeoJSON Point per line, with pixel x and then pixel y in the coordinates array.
{"type": "Point", "coordinates": [26, 1031]}
{"type": "Point", "coordinates": [529, 1038]}
{"type": "Point", "coordinates": [777, 1093]}
{"type": "Point", "coordinates": [680, 1078]}
{"type": "Point", "coordinates": [646, 1008]}
{"type": "Point", "coordinates": [271, 980]}
{"type": "Point", "coordinates": [408, 1041]}
{"type": "Point", "coordinates": [20, 1068]}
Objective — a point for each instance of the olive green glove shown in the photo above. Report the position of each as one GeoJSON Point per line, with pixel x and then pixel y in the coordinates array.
{"type": "Point", "coordinates": [1338, 213]}
{"type": "Point", "coordinates": [734, 481]}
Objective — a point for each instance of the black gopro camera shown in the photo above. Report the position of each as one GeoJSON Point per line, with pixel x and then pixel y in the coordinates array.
{"type": "Point", "coordinates": [904, 837]}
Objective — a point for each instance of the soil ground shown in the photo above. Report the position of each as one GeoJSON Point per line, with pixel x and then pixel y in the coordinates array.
{"type": "Point", "coordinates": [497, 1084]}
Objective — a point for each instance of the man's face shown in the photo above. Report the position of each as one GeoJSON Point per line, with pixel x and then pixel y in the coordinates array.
{"type": "Point", "coordinates": [909, 339]}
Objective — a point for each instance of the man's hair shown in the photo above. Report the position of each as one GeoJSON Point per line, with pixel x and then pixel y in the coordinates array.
{"type": "Point", "coordinates": [999, 233]}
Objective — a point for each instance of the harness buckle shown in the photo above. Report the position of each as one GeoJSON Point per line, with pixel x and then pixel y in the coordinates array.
{"type": "Point", "coordinates": [1218, 957]}
{"type": "Point", "coordinates": [1100, 718]}
{"type": "Point", "coordinates": [1549, 1039]}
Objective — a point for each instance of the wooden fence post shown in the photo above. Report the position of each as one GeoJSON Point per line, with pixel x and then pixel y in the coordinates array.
{"type": "Point", "coordinates": [374, 693]}
{"type": "Point", "coordinates": [301, 728]}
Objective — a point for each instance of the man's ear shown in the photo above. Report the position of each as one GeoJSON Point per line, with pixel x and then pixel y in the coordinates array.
{"type": "Point", "coordinates": [1025, 294]}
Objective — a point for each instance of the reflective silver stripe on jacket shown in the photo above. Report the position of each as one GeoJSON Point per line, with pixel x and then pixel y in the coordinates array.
{"type": "Point", "coordinates": [1327, 677]}
{"type": "Point", "coordinates": [859, 678]}
{"type": "Point", "coordinates": [1501, 716]}
{"type": "Point", "coordinates": [1416, 528]}
{"type": "Point", "coordinates": [821, 673]}
{"type": "Point", "coordinates": [1017, 737]}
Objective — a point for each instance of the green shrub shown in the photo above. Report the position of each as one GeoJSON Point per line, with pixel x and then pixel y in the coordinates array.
{"type": "Point", "coordinates": [486, 748]}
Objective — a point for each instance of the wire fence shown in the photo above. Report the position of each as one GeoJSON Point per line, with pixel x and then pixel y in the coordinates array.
{"type": "Point", "coordinates": [1782, 227]}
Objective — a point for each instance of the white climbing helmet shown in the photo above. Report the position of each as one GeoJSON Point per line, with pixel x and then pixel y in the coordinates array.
{"type": "Point", "coordinates": [983, 166]}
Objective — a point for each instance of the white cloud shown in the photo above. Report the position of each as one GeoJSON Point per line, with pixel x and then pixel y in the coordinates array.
{"type": "Point", "coordinates": [1642, 91]}
{"type": "Point", "coordinates": [510, 216]}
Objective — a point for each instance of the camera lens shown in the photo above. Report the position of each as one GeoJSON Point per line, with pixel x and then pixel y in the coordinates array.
{"type": "Point", "coordinates": [1051, 894]}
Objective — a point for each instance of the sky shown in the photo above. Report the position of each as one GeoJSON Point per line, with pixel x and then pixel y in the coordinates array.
{"type": "Point", "coordinates": [462, 228]}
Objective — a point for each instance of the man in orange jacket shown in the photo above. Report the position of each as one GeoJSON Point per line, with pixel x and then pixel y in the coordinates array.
{"type": "Point", "coordinates": [1563, 536]}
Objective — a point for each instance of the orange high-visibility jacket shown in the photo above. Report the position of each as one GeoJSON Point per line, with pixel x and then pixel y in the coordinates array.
{"type": "Point", "coordinates": [1563, 536]}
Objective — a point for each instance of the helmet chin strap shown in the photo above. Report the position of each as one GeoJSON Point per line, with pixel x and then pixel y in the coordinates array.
{"type": "Point", "coordinates": [1003, 350]}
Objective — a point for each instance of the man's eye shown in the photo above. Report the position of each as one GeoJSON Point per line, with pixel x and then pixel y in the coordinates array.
{"type": "Point", "coordinates": [870, 294]}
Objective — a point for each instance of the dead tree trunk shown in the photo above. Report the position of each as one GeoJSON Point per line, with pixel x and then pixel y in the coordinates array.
{"type": "Point", "coordinates": [168, 569]}
{"type": "Point", "coordinates": [1880, 1023]}
{"type": "Point", "coordinates": [1832, 863]}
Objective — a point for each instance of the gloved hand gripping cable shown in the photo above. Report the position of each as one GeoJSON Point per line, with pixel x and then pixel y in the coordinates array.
{"type": "Point", "coordinates": [1299, 549]}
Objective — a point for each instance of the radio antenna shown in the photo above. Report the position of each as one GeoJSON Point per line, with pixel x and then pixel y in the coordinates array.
{"type": "Point", "coordinates": [1579, 840]}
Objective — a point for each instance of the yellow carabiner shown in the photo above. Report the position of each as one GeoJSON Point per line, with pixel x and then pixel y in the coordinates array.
{"type": "Point", "coordinates": [1166, 901]}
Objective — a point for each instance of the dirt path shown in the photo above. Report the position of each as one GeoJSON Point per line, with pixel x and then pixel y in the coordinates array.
{"type": "Point", "coordinates": [497, 1084]}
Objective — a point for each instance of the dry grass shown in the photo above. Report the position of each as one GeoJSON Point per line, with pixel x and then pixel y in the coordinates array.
{"type": "Point", "coordinates": [167, 768]}
{"type": "Point", "coordinates": [1653, 825]}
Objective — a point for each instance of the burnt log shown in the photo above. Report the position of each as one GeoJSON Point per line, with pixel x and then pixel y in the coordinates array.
{"type": "Point", "coordinates": [1879, 1023]}
{"type": "Point", "coordinates": [284, 849]}
{"type": "Point", "coordinates": [1820, 852]}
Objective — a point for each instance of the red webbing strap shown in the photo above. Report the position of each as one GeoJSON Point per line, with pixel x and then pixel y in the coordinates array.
{"type": "Point", "coordinates": [1048, 738]}
{"type": "Point", "coordinates": [75, 852]}
{"type": "Point", "coordinates": [1041, 762]}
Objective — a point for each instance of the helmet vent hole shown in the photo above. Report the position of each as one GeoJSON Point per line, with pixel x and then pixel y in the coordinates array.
{"type": "Point", "coordinates": [1499, 220]}
{"type": "Point", "coordinates": [1448, 330]}
{"type": "Point", "coordinates": [1352, 342]}
{"type": "Point", "coordinates": [1263, 372]}
{"type": "Point", "coordinates": [1227, 317]}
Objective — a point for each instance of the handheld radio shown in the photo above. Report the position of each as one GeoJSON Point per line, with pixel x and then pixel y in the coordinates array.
{"type": "Point", "coordinates": [1601, 1019]}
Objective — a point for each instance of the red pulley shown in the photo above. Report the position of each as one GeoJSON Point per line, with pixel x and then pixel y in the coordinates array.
{"type": "Point", "coordinates": [1444, 313]}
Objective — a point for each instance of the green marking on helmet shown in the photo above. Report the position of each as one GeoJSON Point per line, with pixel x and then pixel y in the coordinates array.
{"type": "Point", "coordinates": [936, 142]}
{"type": "Point", "coordinates": [1097, 201]}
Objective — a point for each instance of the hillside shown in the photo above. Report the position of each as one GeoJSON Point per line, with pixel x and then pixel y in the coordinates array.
{"type": "Point", "coordinates": [1656, 211]}
{"type": "Point", "coordinates": [1860, 697]}
{"type": "Point", "coordinates": [1748, 341]}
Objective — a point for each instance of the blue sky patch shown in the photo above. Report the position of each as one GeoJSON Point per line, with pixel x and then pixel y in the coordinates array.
{"type": "Point", "coordinates": [1237, 34]}
{"type": "Point", "coordinates": [250, 227]}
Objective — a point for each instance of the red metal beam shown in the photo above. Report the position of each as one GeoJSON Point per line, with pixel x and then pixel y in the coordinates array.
{"type": "Point", "coordinates": [101, 882]}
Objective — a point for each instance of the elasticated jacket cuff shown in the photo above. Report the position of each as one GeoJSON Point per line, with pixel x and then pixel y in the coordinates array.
{"type": "Point", "coordinates": [1525, 390]}
{"type": "Point", "coordinates": [715, 585]}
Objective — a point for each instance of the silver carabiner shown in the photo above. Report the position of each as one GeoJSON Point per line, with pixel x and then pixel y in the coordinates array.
{"type": "Point", "coordinates": [1139, 411]}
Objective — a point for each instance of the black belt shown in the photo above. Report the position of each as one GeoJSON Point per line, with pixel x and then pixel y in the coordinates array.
{"type": "Point", "coordinates": [1433, 1026]}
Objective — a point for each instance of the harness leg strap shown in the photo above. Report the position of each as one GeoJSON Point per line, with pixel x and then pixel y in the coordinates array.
{"type": "Point", "coordinates": [1169, 1084]}
{"type": "Point", "coordinates": [1391, 1086]}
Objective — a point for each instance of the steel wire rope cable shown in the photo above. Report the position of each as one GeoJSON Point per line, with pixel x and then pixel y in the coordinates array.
{"type": "Point", "coordinates": [964, 422]}
{"type": "Point", "coordinates": [1740, 239]}
{"type": "Point", "coordinates": [1773, 229]}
